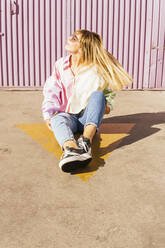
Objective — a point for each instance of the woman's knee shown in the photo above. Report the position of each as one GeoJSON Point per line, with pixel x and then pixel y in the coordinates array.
{"type": "Point", "coordinates": [97, 96]}
{"type": "Point", "coordinates": [64, 121]}
{"type": "Point", "coordinates": [60, 118]}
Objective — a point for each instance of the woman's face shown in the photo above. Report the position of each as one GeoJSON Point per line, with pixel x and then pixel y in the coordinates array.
{"type": "Point", "coordinates": [73, 45]}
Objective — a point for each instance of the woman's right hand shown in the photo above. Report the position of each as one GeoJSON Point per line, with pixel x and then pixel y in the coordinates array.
{"type": "Point", "coordinates": [107, 110]}
{"type": "Point", "coordinates": [48, 124]}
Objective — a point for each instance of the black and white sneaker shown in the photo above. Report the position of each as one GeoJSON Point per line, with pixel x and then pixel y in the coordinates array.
{"type": "Point", "coordinates": [73, 159]}
{"type": "Point", "coordinates": [85, 144]}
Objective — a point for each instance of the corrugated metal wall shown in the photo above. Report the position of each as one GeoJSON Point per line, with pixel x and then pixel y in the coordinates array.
{"type": "Point", "coordinates": [33, 34]}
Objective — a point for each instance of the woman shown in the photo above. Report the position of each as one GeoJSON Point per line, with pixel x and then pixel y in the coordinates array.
{"type": "Point", "coordinates": [78, 93]}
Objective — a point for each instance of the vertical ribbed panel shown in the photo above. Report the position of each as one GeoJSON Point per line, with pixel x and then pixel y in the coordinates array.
{"type": "Point", "coordinates": [34, 38]}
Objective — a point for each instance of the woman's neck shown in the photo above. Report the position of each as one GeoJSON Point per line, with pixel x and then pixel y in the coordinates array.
{"type": "Point", "coordinates": [75, 60]}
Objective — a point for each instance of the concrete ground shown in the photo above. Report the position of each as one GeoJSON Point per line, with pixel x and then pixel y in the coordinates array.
{"type": "Point", "coordinates": [121, 205]}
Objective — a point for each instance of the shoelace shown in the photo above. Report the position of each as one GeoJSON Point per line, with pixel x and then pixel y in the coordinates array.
{"type": "Point", "coordinates": [83, 145]}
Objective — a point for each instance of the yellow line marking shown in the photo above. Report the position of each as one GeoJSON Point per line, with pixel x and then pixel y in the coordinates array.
{"type": "Point", "coordinates": [104, 142]}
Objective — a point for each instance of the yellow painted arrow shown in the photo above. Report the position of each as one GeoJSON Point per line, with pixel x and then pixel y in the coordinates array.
{"type": "Point", "coordinates": [104, 142]}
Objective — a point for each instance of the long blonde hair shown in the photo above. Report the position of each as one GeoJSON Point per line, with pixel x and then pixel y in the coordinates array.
{"type": "Point", "coordinates": [108, 67]}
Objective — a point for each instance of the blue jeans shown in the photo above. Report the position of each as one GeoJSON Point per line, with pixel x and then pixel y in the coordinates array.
{"type": "Point", "coordinates": [64, 125]}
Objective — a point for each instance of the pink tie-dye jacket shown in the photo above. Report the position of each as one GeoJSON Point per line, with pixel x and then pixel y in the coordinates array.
{"type": "Point", "coordinates": [65, 92]}
{"type": "Point", "coordinates": [57, 88]}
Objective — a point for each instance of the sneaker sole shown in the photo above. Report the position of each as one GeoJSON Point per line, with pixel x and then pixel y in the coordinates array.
{"type": "Point", "coordinates": [71, 166]}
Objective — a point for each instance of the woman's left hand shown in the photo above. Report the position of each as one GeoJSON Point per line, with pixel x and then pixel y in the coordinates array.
{"type": "Point", "coordinates": [48, 123]}
{"type": "Point", "coordinates": [107, 110]}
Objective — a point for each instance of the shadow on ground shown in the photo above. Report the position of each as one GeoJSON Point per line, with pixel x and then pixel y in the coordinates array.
{"type": "Point", "coordinates": [142, 128]}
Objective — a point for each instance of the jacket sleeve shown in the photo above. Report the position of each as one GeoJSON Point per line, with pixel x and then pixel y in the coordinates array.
{"type": "Point", "coordinates": [51, 91]}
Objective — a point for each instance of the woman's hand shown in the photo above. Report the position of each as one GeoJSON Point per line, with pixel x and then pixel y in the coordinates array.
{"type": "Point", "coordinates": [48, 124]}
{"type": "Point", "coordinates": [107, 110]}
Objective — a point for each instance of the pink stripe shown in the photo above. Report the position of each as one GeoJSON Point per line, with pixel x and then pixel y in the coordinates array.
{"type": "Point", "coordinates": [64, 98]}
{"type": "Point", "coordinates": [67, 67]}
